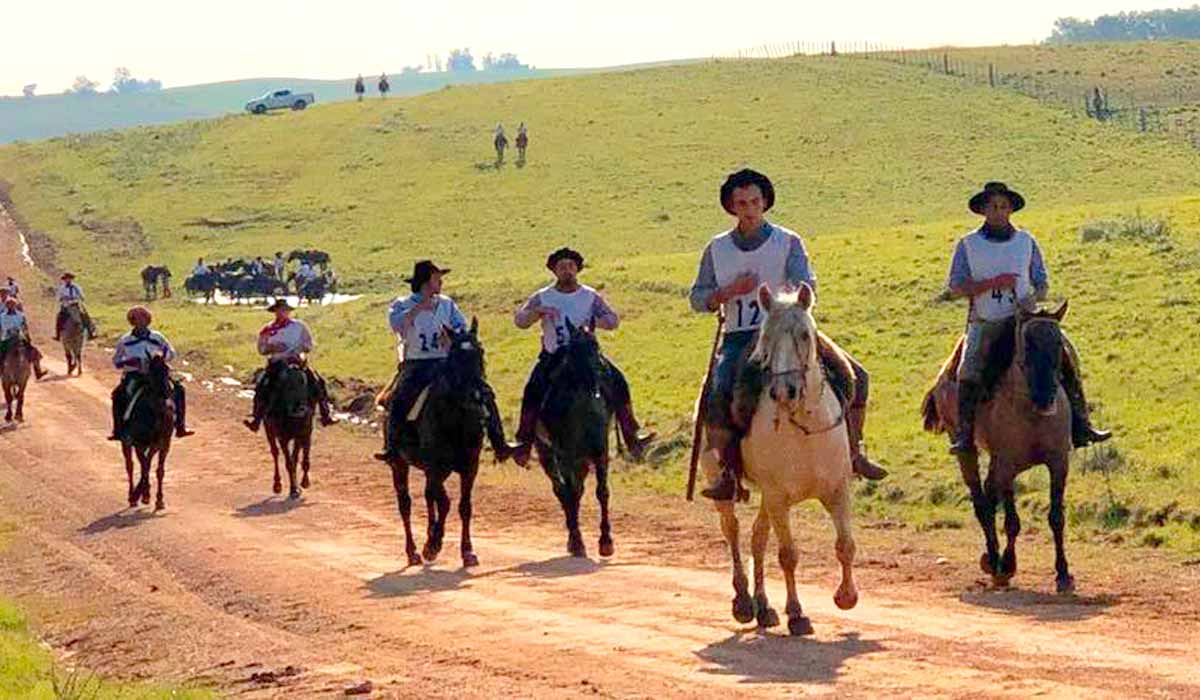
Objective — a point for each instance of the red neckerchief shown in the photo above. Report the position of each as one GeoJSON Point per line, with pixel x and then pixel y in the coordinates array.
{"type": "Point", "coordinates": [274, 327]}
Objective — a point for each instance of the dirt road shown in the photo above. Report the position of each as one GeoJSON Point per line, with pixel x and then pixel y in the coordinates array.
{"type": "Point", "coordinates": [264, 598]}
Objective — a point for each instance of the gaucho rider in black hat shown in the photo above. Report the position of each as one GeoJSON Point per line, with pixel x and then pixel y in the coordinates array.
{"type": "Point", "coordinates": [582, 305]}
{"type": "Point", "coordinates": [420, 320]}
{"type": "Point", "coordinates": [286, 340]}
{"type": "Point", "coordinates": [1001, 270]}
{"type": "Point", "coordinates": [734, 265]}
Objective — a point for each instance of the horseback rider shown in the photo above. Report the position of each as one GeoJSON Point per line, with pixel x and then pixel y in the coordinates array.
{"type": "Point", "coordinates": [280, 265]}
{"type": "Point", "coordinates": [735, 263]}
{"type": "Point", "coordinates": [70, 295]}
{"type": "Point", "coordinates": [201, 270]}
{"type": "Point", "coordinates": [1000, 270]}
{"type": "Point", "coordinates": [384, 85]}
{"type": "Point", "coordinates": [14, 327]}
{"type": "Point", "coordinates": [132, 356]}
{"type": "Point", "coordinates": [522, 138]}
{"type": "Point", "coordinates": [286, 341]}
{"type": "Point", "coordinates": [419, 321]}
{"type": "Point", "coordinates": [568, 300]}
{"type": "Point", "coordinates": [257, 268]}
{"type": "Point", "coordinates": [359, 88]}
{"type": "Point", "coordinates": [12, 287]}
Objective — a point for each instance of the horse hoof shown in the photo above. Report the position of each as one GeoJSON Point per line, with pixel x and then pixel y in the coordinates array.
{"type": "Point", "coordinates": [146, 498]}
{"type": "Point", "coordinates": [414, 559]}
{"type": "Point", "coordinates": [305, 483]}
{"type": "Point", "coordinates": [767, 617]}
{"type": "Point", "coordinates": [294, 495]}
{"type": "Point", "coordinates": [159, 506]}
{"type": "Point", "coordinates": [846, 598]}
{"type": "Point", "coordinates": [578, 550]}
{"type": "Point", "coordinates": [799, 626]}
{"type": "Point", "coordinates": [469, 560]}
{"type": "Point", "coordinates": [277, 487]}
{"type": "Point", "coordinates": [743, 609]}
{"type": "Point", "coordinates": [133, 502]}
{"type": "Point", "coordinates": [1066, 585]}
{"type": "Point", "coordinates": [431, 553]}
{"type": "Point", "coordinates": [606, 548]}
{"type": "Point", "coordinates": [1000, 580]}
{"type": "Point", "coordinates": [985, 565]}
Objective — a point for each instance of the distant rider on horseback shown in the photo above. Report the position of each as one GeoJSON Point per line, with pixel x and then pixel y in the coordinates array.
{"type": "Point", "coordinates": [15, 328]}
{"type": "Point", "coordinates": [554, 305]}
{"type": "Point", "coordinates": [132, 356]}
{"type": "Point", "coordinates": [70, 295]}
{"type": "Point", "coordinates": [756, 252]}
{"type": "Point", "coordinates": [420, 320]}
{"type": "Point", "coordinates": [286, 341]}
{"type": "Point", "coordinates": [1000, 269]}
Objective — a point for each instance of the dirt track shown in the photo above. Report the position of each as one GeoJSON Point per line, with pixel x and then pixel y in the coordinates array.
{"type": "Point", "coordinates": [264, 598]}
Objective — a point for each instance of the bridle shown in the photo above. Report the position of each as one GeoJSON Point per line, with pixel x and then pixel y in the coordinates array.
{"type": "Point", "coordinates": [794, 416]}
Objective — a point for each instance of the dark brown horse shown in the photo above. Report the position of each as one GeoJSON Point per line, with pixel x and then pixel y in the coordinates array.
{"type": "Point", "coordinates": [152, 277]}
{"type": "Point", "coordinates": [15, 373]}
{"type": "Point", "coordinates": [149, 427]}
{"type": "Point", "coordinates": [1026, 422]}
{"type": "Point", "coordinates": [289, 425]}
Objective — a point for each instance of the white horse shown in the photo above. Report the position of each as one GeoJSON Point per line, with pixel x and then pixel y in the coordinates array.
{"type": "Point", "coordinates": [796, 449]}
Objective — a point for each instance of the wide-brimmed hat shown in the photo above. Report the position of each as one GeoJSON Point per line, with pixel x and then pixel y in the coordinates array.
{"type": "Point", "coordinates": [138, 313]}
{"type": "Point", "coordinates": [424, 271]}
{"type": "Point", "coordinates": [67, 275]}
{"type": "Point", "coordinates": [564, 254]}
{"type": "Point", "coordinates": [280, 303]}
{"type": "Point", "coordinates": [980, 199]}
{"type": "Point", "coordinates": [744, 178]}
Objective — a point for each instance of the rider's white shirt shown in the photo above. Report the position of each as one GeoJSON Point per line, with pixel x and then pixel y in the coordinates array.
{"type": "Point", "coordinates": [306, 272]}
{"type": "Point", "coordinates": [12, 323]}
{"type": "Point", "coordinates": [294, 337]}
{"type": "Point", "coordinates": [989, 258]}
{"type": "Point", "coordinates": [200, 270]}
{"type": "Point", "coordinates": [69, 294]}
{"type": "Point", "coordinates": [422, 339]}
{"type": "Point", "coordinates": [578, 306]}
{"type": "Point", "coordinates": [768, 262]}
{"type": "Point", "coordinates": [145, 348]}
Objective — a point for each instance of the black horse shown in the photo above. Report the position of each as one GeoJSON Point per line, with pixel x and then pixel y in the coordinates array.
{"type": "Point", "coordinates": [447, 440]}
{"type": "Point", "coordinates": [202, 285]}
{"type": "Point", "coordinates": [576, 421]}
{"type": "Point", "coordinates": [250, 287]}
{"type": "Point", "coordinates": [148, 431]}
{"type": "Point", "coordinates": [289, 425]}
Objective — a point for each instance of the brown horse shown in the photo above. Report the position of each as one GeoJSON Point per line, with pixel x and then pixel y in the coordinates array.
{"type": "Point", "coordinates": [1026, 422]}
{"type": "Point", "coordinates": [289, 425]}
{"type": "Point", "coordinates": [72, 336]}
{"type": "Point", "coordinates": [149, 426]}
{"type": "Point", "coordinates": [15, 375]}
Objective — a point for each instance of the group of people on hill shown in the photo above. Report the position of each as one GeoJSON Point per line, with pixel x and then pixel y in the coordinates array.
{"type": "Point", "coordinates": [500, 143]}
{"type": "Point", "coordinates": [360, 87]}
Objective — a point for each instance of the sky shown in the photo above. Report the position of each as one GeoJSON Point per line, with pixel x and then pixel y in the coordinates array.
{"type": "Point", "coordinates": [49, 42]}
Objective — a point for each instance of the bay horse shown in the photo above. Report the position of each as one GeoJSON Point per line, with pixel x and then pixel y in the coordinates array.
{"type": "Point", "coordinates": [1026, 422]}
{"type": "Point", "coordinates": [795, 450]}
{"type": "Point", "coordinates": [15, 377]}
{"type": "Point", "coordinates": [289, 425]}
{"type": "Point", "coordinates": [573, 432]}
{"type": "Point", "coordinates": [152, 276]}
{"type": "Point", "coordinates": [448, 439]}
{"type": "Point", "coordinates": [149, 426]}
{"type": "Point", "coordinates": [72, 336]}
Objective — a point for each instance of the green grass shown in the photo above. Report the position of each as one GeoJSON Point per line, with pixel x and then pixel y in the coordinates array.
{"type": "Point", "coordinates": [873, 162]}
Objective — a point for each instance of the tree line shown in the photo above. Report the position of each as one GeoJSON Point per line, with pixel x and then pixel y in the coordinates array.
{"type": "Point", "coordinates": [1181, 23]}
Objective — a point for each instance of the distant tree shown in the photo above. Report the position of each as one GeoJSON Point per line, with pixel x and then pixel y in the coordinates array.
{"type": "Point", "coordinates": [124, 83]}
{"type": "Point", "coordinates": [488, 61]}
{"type": "Point", "coordinates": [460, 61]}
{"type": "Point", "coordinates": [506, 61]}
{"type": "Point", "coordinates": [1129, 26]}
{"type": "Point", "coordinates": [29, 90]}
{"type": "Point", "coordinates": [82, 86]}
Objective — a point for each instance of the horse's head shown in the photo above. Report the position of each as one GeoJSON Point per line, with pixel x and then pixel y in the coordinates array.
{"type": "Point", "coordinates": [1039, 354]}
{"type": "Point", "coordinates": [466, 360]}
{"type": "Point", "coordinates": [157, 370]}
{"type": "Point", "coordinates": [787, 343]}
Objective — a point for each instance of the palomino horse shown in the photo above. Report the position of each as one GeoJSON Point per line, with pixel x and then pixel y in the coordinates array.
{"type": "Point", "coordinates": [796, 450]}
{"type": "Point", "coordinates": [1026, 422]}
{"type": "Point", "coordinates": [149, 425]}
{"type": "Point", "coordinates": [289, 425]}
{"type": "Point", "coordinates": [15, 375]}
{"type": "Point", "coordinates": [72, 336]}
{"type": "Point", "coordinates": [573, 434]}
{"type": "Point", "coordinates": [448, 439]}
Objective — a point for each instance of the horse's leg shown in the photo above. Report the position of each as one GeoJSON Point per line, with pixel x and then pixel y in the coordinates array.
{"type": "Point", "coordinates": [277, 484]}
{"type": "Point", "coordinates": [1012, 528]}
{"type": "Point", "coordinates": [999, 478]}
{"type": "Point", "coordinates": [1058, 487]}
{"type": "Point", "coordinates": [743, 605]}
{"type": "Point", "coordinates": [798, 623]}
{"type": "Point", "coordinates": [841, 509]}
{"type": "Point", "coordinates": [144, 485]}
{"type": "Point", "coordinates": [436, 497]}
{"type": "Point", "coordinates": [8, 402]}
{"type": "Point", "coordinates": [404, 502]}
{"type": "Point", "coordinates": [305, 449]}
{"type": "Point", "coordinates": [291, 455]}
{"type": "Point", "coordinates": [127, 452]}
{"type": "Point", "coordinates": [20, 416]}
{"type": "Point", "coordinates": [759, 536]}
{"type": "Point", "coordinates": [985, 512]}
{"type": "Point", "coordinates": [159, 473]}
{"type": "Point", "coordinates": [602, 493]}
{"type": "Point", "coordinates": [465, 509]}
{"type": "Point", "coordinates": [569, 495]}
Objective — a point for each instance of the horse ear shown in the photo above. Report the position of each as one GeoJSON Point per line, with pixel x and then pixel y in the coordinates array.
{"type": "Point", "coordinates": [570, 326]}
{"type": "Point", "coordinates": [474, 325]}
{"type": "Point", "coordinates": [764, 297]}
{"type": "Point", "coordinates": [1062, 311]}
{"type": "Point", "coordinates": [805, 296]}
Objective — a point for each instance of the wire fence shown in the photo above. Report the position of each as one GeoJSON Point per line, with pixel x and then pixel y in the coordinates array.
{"type": "Point", "coordinates": [1169, 108]}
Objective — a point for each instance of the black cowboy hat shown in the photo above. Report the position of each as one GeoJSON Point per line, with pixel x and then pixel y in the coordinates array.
{"type": "Point", "coordinates": [423, 271]}
{"type": "Point", "coordinates": [744, 178]}
{"type": "Point", "coordinates": [980, 199]}
{"type": "Point", "coordinates": [65, 275]}
{"type": "Point", "coordinates": [280, 303]}
{"type": "Point", "coordinates": [564, 254]}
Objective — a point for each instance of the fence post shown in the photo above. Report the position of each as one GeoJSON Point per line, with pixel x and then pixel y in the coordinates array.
{"type": "Point", "coordinates": [991, 75]}
{"type": "Point", "coordinates": [1142, 119]}
{"type": "Point", "coordinates": [833, 48]}
{"type": "Point", "coordinates": [946, 63]}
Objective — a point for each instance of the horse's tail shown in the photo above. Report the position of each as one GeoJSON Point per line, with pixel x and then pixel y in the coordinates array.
{"type": "Point", "coordinates": [929, 411]}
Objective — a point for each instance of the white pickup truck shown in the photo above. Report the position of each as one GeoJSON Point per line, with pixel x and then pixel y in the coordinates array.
{"type": "Point", "coordinates": [280, 99]}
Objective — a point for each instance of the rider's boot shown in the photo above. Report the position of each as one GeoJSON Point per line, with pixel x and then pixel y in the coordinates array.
{"type": "Point", "coordinates": [856, 417]}
{"type": "Point", "coordinates": [729, 484]}
{"type": "Point", "coordinates": [634, 442]}
{"type": "Point", "coordinates": [969, 395]}
{"type": "Point", "coordinates": [1082, 431]}
{"type": "Point", "coordinates": [502, 448]}
{"type": "Point", "coordinates": [526, 434]}
{"type": "Point", "coordinates": [259, 410]}
{"type": "Point", "coordinates": [118, 412]}
{"type": "Point", "coordinates": [179, 398]}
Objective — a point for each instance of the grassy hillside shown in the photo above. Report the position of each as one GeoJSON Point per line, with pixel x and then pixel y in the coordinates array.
{"type": "Point", "coordinates": [873, 163]}
{"type": "Point", "coordinates": [47, 116]}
